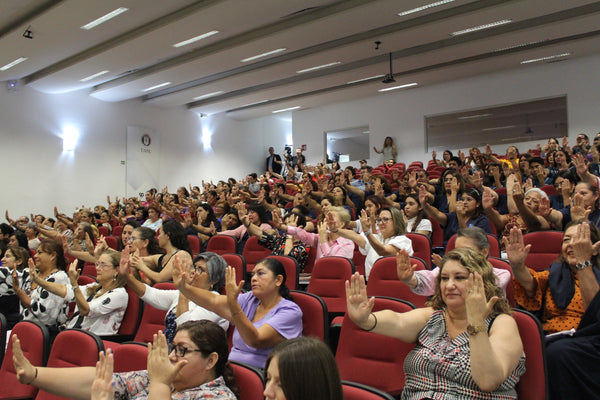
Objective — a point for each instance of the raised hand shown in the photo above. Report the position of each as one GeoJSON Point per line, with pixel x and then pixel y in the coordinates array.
{"type": "Point", "coordinates": [160, 368]}
{"type": "Point", "coordinates": [478, 308]}
{"type": "Point", "coordinates": [579, 212]}
{"type": "Point", "coordinates": [404, 269]}
{"type": "Point", "coordinates": [515, 247]}
{"type": "Point", "coordinates": [179, 273]}
{"type": "Point", "coordinates": [25, 371]}
{"type": "Point", "coordinates": [73, 272]}
{"type": "Point", "coordinates": [124, 263]}
{"type": "Point", "coordinates": [232, 288]}
{"type": "Point", "coordinates": [102, 388]}
{"type": "Point", "coordinates": [359, 305]}
{"type": "Point", "coordinates": [582, 245]}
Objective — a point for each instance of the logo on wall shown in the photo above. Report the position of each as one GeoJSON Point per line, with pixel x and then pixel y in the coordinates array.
{"type": "Point", "coordinates": [146, 140]}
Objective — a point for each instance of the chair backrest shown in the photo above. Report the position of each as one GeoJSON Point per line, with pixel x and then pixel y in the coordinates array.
{"type": "Point", "coordinates": [533, 384]}
{"type": "Point", "coordinates": [421, 247]}
{"type": "Point", "coordinates": [103, 230]}
{"type": "Point", "coordinates": [3, 329]}
{"type": "Point", "coordinates": [310, 263]}
{"type": "Point", "coordinates": [315, 319]}
{"type": "Point", "coordinates": [130, 356]}
{"type": "Point", "coordinates": [153, 319]}
{"type": "Point", "coordinates": [493, 240]}
{"type": "Point", "coordinates": [254, 252]}
{"type": "Point", "coordinates": [358, 391]}
{"type": "Point", "coordinates": [291, 270]}
{"type": "Point", "coordinates": [194, 244]}
{"type": "Point", "coordinates": [249, 380]}
{"type": "Point", "coordinates": [379, 360]}
{"type": "Point", "coordinates": [221, 244]}
{"type": "Point", "coordinates": [546, 247]}
{"type": "Point", "coordinates": [132, 316]}
{"type": "Point", "coordinates": [510, 289]}
{"type": "Point", "coordinates": [35, 343]}
{"type": "Point", "coordinates": [359, 260]}
{"type": "Point", "coordinates": [72, 348]}
{"type": "Point", "coordinates": [383, 281]}
{"type": "Point", "coordinates": [117, 230]}
{"type": "Point", "coordinates": [89, 269]}
{"type": "Point", "coordinates": [238, 263]}
{"type": "Point", "coordinates": [437, 234]}
{"type": "Point", "coordinates": [112, 242]}
{"type": "Point", "coordinates": [328, 282]}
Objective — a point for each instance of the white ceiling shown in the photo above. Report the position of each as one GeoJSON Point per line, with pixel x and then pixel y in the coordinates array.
{"type": "Point", "coordinates": [136, 47]}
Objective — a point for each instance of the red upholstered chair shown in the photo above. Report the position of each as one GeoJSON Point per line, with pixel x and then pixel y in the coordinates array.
{"type": "Point", "coordinates": [359, 260]}
{"type": "Point", "coordinates": [533, 384]}
{"type": "Point", "coordinates": [546, 247]}
{"type": "Point", "coordinates": [153, 319]}
{"type": "Point", "coordinates": [3, 329]}
{"type": "Point", "coordinates": [379, 360]}
{"type": "Point", "coordinates": [310, 263]}
{"type": "Point", "coordinates": [112, 242]}
{"type": "Point", "coordinates": [327, 281]}
{"type": "Point", "coordinates": [510, 289]}
{"type": "Point", "coordinates": [117, 231]}
{"type": "Point", "coordinates": [421, 246]}
{"type": "Point", "coordinates": [415, 164]}
{"type": "Point", "coordinates": [249, 380]}
{"type": "Point", "coordinates": [254, 252]}
{"type": "Point", "coordinates": [494, 245]}
{"type": "Point", "coordinates": [383, 281]}
{"type": "Point", "coordinates": [358, 391]}
{"type": "Point", "coordinates": [291, 270]}
{"type": "Point", "coordinates": [315, 319]}
{"type": "Point", "coordinates": [72, 348]}
{"type": "Point", "coordinates": [238, 263]}
{"type": "Point", "coordinates": [89, 269]}
{"type": "Point", "coordinates": [550, 190]}
{"type": "Point", "coordinates": [221, 244]}
{"type": "Point", "coordinates": [194, 244]}
{"type": "Point", "coordinates": [103, 230]}
{"type": "Point", "coordinates": [130, 356]}
{"type": "Point", "coordinates": [35, 343]}
{"type": "Point", "coordinates": [131, 319]}
{"type": "Point", "coordinates": [437, 234]}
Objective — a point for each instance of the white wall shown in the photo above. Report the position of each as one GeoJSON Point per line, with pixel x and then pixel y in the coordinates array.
{"type": "Point", "coordinates": [37, 175]}
{"type": "Point", "coordinates": [401, 114]}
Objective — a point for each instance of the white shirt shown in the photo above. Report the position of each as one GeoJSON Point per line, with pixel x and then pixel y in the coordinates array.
{"type": "Point", "coordinates": [106, 312]}
{"type": "Point", "coordinates": [400, 242]}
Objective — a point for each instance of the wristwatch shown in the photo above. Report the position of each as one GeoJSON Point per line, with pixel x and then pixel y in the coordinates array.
{"type": "Point", "coordinates": [583, 265]}
{"type": "Point", "coordinates": [475, 329]}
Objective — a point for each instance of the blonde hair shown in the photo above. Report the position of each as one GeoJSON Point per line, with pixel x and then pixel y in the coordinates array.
{"type": "Point", "coordinates": [473, 262]}
{"type": "Point", "coordinates": [342, 213]}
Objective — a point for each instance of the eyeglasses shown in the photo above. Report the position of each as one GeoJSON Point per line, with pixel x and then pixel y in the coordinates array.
{"type": "Point", "coordinates": [181, 351]}
{"type": "Point", "coordinates": [102, 265]}
{"type": "Point", "coordinates": [383, 220]}
{"type": "Point", "coordinates": [199, 269]}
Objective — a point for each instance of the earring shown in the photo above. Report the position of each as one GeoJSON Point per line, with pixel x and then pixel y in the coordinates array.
{"type": "Point", "coordinates": [115, 278]}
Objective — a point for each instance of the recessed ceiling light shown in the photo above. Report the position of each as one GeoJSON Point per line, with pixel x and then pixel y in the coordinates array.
{"type": "Point", "coordinates": [398, 87]}
{"type": "Point", "coordinates": [365, 79]}
{"type": "Point", "coordinates": [156, 86]}
{"type": "Point", "coordinates": [546, 58]}
{"type": "Point", "coordinates": [206, 96]}
{"type": "Point", "coordinates": [318, 67]}
{"type": "Point", "coordinates": [475, 116]}
{"type": "Point", "coordinates": [195, 38]}
{"type": "Point", "coordinates": [521, 45]}
{"type": "Point", "coordinates": [104, 18]}
{"type": "Point", "coordinates": [13, 63]}
{"type": "Point", "coordinates": [482, 27]}
{"type": "Point", "coordinates": [268, 53]}
{"type": "Point", "coordinates": [425, 7]}
{"type": "Point", "coordinates": [285, 109]}
{"type": "Point", "coordinates": [89, 78]}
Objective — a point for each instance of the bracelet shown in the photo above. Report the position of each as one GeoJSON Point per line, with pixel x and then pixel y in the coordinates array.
{"type": "Point", "coordinates": [75, 287]}
{"type": "Point", "coordinates": [374, 325]}
{"type": "Point", "coordinates": [34, 378]}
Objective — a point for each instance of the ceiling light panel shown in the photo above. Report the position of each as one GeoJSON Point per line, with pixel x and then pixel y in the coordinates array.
{"type": "Point", "coordinates": [206, 96]}
{"type": "Point", "coordinates": [547, 58]}
{"type": "Point", "coordinates": [285, 109]}
{"type": "Point", "coordinates": [424, 7]}
{"type": "Point", "coordinates": [104, 18]}
{"type": "Point", "coordinates": [482, 27]}
{"type": "Point", "coordinates": [195, 39]}
{"type": "Point", "coordinates": [13, 63]}
{"type": "Point", "coordinates": [398, 87]}
{"type": "Point", "coordinates": [96, 75]}
{"type": "Point", "coordinates": [318, 67]}
{"type": "Point", "coordinates": [160, 85]}
{"type": "Point", "coordinates": [268, 53]}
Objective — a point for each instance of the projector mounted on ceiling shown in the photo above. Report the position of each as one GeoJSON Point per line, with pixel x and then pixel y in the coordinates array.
{"type": "Point", "coordinates": [389, 78]}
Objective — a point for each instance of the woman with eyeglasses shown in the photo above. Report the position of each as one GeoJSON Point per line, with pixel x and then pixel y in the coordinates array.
{"type": "Point", "coordinates": [194, 367]}
{"type": "Point", "coordinates": [206, 272]}
{"type": "Point", "coordinates": [263, 318]}
{"type": "Point", "coordinates": [469, 212]}
{"type": "Point", "coordinates": [387, 242]}
{"type": "Point", "coordinates": [100, 306]}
